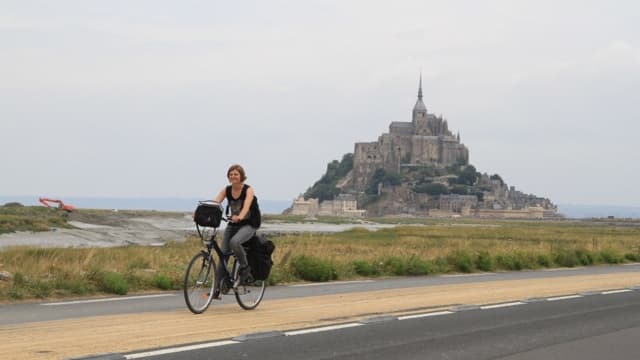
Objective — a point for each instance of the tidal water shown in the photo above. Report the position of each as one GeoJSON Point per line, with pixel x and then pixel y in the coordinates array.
{"type": "Point", "coordinates": [277, 206]}
{"type": "Point", "coordinates": [159, 204]}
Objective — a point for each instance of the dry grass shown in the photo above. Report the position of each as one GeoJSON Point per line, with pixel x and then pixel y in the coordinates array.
{"type": "Point", "coordinates": [434, 241]}
{"type": "Point", "coordinates": [406, 250]}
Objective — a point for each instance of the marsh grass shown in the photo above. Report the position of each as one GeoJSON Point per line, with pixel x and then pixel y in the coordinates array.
{"type": "Point", "coordinates": [65, 272]}
{"type": "Point", "coordinates": [31, 218]}
{"type": "Point", "coordinates": [402, 251]}
{"type": "Point", "coordinates": [306, 219]}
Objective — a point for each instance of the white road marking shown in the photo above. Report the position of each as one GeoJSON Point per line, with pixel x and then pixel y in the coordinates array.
{"type": "Point", "coordinates": [616, 291]}
{"type": "Point", "coordinates": [467, 275]}
{"type": "Point", "coordinates": [417, 316]}
{"type": "Point", "coordinates": [106, 300]}
{"type": "Point", "coordinates": [564, 297]}
{"type": "Point", "coordinates": [496, 306]}
{"type": "Point", "coordinates": [321, 329]}
{"type": "Point", "coordinates": [565, 269]}
{"type": "Point", "coordinates": [332, 283]}
{"type": "Point", "coordinates": [179, 349]}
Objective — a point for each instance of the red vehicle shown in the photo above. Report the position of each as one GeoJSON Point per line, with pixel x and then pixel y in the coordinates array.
{"type": "Point", "coordinates": [60, 205]}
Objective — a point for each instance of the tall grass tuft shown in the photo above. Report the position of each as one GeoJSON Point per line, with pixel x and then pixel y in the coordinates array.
{"type": "Point", "coordinates": [313, 269]}
{"type": "Point", "coordinates": [366, 268]}
{"type": "Point", "coordinates": [163, 282]}
{"type": "Point", "coordinates": [611, 256]}
{"type": "Point", "coordinates": [461, 261]}
{"type": "Point", "coordinates": [115, 283]}
{"type": "Point", "coordinates": [485, 262]}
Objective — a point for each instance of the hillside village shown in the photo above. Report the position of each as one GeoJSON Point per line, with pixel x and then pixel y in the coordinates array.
{"type": "Point", "coordinates": [419, 168]}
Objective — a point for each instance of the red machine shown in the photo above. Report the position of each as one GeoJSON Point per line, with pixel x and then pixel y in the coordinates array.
{"type": "Point", "coordinates": [62, 206]}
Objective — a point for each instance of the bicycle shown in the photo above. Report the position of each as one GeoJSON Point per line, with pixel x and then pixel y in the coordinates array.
{"type": "Point", "coordinates": [199, 279]}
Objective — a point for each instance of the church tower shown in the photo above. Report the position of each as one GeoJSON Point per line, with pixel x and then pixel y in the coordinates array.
{"type": "Point", "coordinates": [419, 110]}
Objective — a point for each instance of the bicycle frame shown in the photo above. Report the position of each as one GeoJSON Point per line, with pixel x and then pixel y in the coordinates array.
{"type": "Point", "coordinates": [222, 257]}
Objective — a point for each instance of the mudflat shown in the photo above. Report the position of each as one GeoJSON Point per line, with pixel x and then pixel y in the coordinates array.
{"type": "Point", "coordinates": [128, 333]}
{"type": "Point", "coordinates": [145, 228]}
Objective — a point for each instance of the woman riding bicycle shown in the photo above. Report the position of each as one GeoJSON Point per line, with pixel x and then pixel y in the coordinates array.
{"type": "Point", "coordinates": [239, 230]}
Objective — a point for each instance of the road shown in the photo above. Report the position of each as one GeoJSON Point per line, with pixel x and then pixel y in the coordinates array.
{"type": "Point", "coordinates": [31, 312]}
{"type": "Point", "coordinates": [589, 327]}
{"type": "Point", "coordinates": [128, 326]}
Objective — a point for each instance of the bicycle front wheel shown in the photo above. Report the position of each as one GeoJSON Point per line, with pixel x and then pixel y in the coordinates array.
{"type": "Point", "coordinates": [248, 295]}
{"type": "Point", "coordinates": [199, 281]}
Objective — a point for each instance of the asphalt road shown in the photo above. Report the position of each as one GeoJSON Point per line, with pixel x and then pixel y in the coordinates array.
{"type": "Point", "coordinates": [603, 326]}
{"type": "Point", "coordinates": [43, 311]}
{"type": "Point", "coordinates": [429, 320]}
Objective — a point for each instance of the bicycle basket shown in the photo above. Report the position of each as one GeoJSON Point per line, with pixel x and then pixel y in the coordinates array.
{"type": "Point", "coordinates": [208, 214]}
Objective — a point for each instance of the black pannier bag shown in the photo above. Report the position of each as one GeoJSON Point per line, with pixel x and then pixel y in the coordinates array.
{"type": "Point", "coordinates": [255, 220]}
{"type": "Point", "coordinates": [259, 256]}
{"type": "Point", "coordinates": [208, 214]}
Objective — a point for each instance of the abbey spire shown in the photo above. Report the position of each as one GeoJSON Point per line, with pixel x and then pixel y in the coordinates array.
{"type": "Point", "coordinates": [419, 110]}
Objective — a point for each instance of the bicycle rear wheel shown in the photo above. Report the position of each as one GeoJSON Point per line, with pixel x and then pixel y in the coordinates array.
{"type": "Point", "coordinates": [248, 295]}
{"type": "Point", "coordinates": [199, 281]}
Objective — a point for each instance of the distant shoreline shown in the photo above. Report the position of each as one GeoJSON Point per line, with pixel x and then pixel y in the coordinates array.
{"type": "Point", "coordinates": [132, 203]}
{"type": "Point", "coordinates": [277, 206]}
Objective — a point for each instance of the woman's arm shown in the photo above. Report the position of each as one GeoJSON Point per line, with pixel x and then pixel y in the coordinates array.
{"type": "Point", "coordinates": [221, 195]}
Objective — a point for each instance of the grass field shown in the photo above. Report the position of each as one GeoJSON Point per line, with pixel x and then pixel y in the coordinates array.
{"type": "Point", "coordinates": [421, 249]}
{"type": "Point", "coordinates": [31, 218]}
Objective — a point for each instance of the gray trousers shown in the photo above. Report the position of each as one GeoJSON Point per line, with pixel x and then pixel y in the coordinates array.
{"type": "Point", "coordinates": [234, 237]}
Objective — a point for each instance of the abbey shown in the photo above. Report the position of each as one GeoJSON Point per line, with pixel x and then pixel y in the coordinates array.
{"type": "Point", "coordinates": [426, 140]}
{"type": "Point", "coordinates": [418, 168]}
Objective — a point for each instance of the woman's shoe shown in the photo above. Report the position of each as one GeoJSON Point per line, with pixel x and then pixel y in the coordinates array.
{"type": "Point", "coordinates": [245, 276]}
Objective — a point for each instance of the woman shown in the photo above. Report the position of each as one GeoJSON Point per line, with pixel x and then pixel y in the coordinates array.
{"type": "Point", "coordinates": [239, 230]}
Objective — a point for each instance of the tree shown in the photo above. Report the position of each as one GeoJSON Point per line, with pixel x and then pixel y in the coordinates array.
{"type": "Point", "coordinates": [322, 192]}
{"type": "Point", "coordinates": [497, 177]}
{"type": "Point", "coordinates": [468, 176]}
{"type": "Point", "coordinates": [381, 176]}
{"type": "Point", "coordinates": [432, 189]}
{"type": "Point", "coordinates": [460, 190]}
{"type": "Point", "coordinates": [325, 188]}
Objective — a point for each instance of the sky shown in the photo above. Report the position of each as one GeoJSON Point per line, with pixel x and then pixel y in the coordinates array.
{"type": "Point", "coordinates": [158, 98]}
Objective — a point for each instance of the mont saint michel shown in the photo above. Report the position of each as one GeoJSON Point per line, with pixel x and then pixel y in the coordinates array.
{"type": "Point", "coordinates": [418, 168]}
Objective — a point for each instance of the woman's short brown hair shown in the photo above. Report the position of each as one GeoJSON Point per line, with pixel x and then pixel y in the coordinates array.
{"type": "Point", "coordinates": [243, 175]}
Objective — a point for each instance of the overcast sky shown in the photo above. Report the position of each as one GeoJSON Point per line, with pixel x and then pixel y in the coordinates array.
{"type": "Point", "coordinates": [158, 98]}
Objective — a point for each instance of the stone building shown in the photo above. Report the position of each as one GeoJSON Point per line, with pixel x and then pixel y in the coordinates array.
{"type": "Point", "coordinates": [304, 207]}
{"type": "Point", "coordinates": [344, 205]}
{"type": "Point", "coordinates": [423, 141]}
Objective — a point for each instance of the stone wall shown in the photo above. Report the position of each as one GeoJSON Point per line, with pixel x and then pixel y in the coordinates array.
{"type": "Point", "coordinates": [527, 213]}
{"type": "Point", "coordinates": [305, 207]}
{"type": "Point", "coordinates": [344, 205]}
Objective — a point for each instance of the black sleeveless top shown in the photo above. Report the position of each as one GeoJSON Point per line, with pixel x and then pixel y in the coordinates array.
{"type": "Point", "coordinates": [235, 205]}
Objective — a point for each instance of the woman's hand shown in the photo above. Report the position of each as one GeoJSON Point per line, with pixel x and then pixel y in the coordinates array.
{"type": "Point", "coordinates": [235, 218]}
